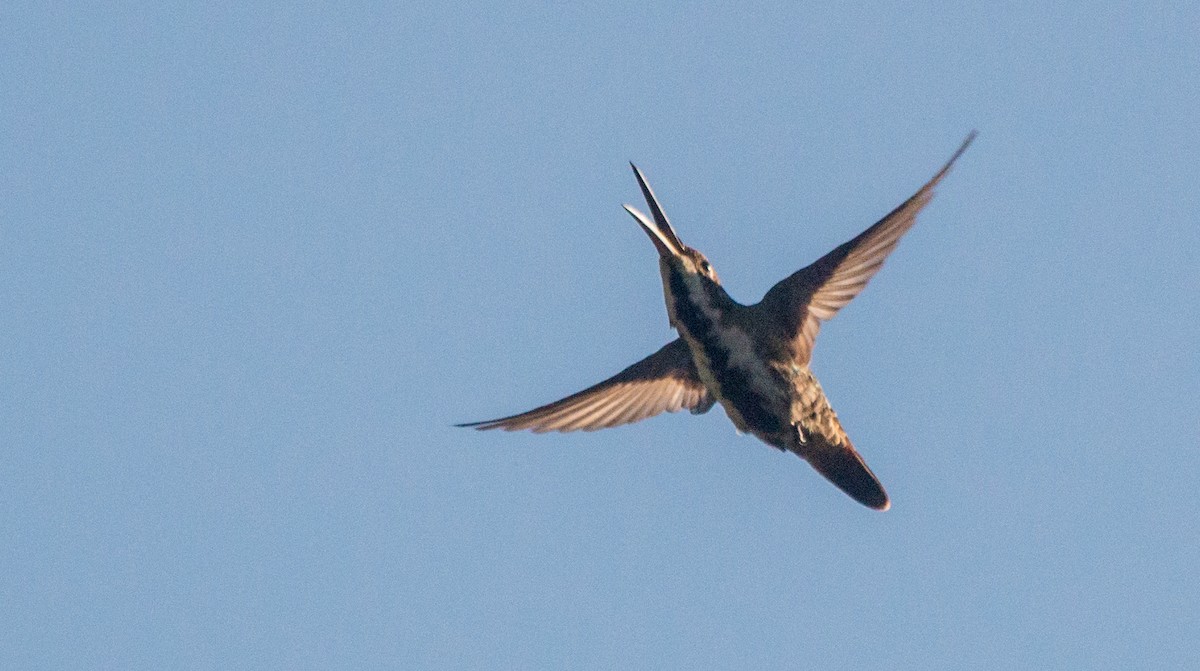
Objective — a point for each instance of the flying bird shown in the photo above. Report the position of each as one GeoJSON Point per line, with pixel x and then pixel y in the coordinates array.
{"type": "Point", "coordinates": [752, 359]}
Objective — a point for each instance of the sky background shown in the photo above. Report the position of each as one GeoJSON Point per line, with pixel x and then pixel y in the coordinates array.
{"type": "Point", "coordinates": [256, 260]}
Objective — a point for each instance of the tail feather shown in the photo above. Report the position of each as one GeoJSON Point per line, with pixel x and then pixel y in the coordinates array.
{"type": "Point", "coordinates": [842, 465]}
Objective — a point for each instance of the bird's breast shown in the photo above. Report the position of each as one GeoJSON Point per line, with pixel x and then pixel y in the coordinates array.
{"type": "Point", "coordinates": [755, 394]}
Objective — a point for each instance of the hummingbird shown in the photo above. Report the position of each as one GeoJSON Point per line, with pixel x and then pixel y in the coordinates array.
{"type": "Point", "coordinates": [752, 359]}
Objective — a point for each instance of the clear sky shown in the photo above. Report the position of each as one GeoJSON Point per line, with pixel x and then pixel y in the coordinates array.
{"type": "Point", "coordinates": [255, 261]}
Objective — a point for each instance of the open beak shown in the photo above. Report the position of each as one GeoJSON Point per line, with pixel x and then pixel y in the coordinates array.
{"type": "Point", "coordinates": [659, 230]}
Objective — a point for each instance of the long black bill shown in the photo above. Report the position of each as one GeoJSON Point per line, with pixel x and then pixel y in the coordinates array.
{"type": "Point", "coordinates": [660, 231]}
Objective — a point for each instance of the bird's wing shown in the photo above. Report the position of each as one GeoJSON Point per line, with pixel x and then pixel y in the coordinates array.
{"type": "Point", "coordinates": [814, 294]}
{"type": "Point", "coordinates": [665, 381]}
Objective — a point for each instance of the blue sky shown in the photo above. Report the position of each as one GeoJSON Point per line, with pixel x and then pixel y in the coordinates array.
{"type": "Point", "coordinates": [256, 260]}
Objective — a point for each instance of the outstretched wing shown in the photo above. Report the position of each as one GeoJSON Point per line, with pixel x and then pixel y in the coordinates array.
{"type": "Point", "coordinates": [665, 381]}
{"type": "Point", "coordinates": [800, 302]}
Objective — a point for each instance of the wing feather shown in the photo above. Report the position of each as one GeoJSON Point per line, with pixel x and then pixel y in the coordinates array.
{"type": "Point", "coordinates": [665, 381]}
{"type": "Point", "coordinates": [817, 292]}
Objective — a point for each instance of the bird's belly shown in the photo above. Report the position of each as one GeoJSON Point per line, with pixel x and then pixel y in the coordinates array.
{"type": "Point", "coordinates": [756, 397]}
{"type": "Point", "coordinates": [728, 358]}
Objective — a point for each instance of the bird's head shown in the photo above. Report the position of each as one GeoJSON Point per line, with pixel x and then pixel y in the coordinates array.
{"type": "Point", "coordinates": [673, 255]}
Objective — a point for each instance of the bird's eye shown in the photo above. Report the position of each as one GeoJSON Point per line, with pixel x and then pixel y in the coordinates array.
{"type": "Point", "coordinates": [706, 266]}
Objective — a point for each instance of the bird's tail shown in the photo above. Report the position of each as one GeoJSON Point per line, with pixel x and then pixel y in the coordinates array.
{"type": "Point", "coordinates": [842, 465]}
